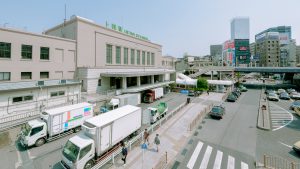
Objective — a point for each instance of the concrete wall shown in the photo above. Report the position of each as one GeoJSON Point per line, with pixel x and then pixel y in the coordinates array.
{"type": "Point", "coordinates": [41, 96]}
{"type": "Point", "coordinates": [61, 63]}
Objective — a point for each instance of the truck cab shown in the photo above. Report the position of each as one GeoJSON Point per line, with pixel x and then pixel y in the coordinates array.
{"type": "Point", "coordinates": [154, 115]}
{"type": "Point", "coordinates": [34, 132]}
{"type": "Point", "coordinates": [78, 152]}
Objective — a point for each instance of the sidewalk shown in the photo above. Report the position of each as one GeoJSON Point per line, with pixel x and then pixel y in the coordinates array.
{"type": "Point", "coordinates": [173, 135]}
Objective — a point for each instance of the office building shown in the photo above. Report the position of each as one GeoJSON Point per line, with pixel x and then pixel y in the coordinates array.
{"type": "Point", "coordinates": [240, 28]}
{"type": "Point", "coordinates": [216, 52]}
{"type": "Point", "coordinates": [297, 55]}
{"type": "Point", "coordinates": [267, 49]}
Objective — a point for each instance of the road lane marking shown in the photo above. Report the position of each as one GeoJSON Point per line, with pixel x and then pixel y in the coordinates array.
{"type": "Point", "coordinates": [218, 160]}
{"type": "Point", "coordinates": [285, 120]}
{"type": "Point", "coordinates": [244, 165]}
{"type": "Point", "coordinates": [206, 157]}
{"type": "Point", "coordinates": [230, 164]}
{"type": "Point", "coordinates": [195, 155]}
{"type": "Point", "coordinates": [286, 145]}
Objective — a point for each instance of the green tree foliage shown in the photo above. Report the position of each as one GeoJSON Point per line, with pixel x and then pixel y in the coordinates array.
{"type": "Point", "coordinates": [202, 84]}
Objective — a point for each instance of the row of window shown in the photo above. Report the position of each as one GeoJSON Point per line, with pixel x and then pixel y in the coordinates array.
{"type": "Point", "coordinates": [136, 56]}
{"type": "Point", "coordinates": [5, 76]}
{"type": "Point", "coordinates": [30, 97]}
{"type": "Point", "coordinates": [26, 51]}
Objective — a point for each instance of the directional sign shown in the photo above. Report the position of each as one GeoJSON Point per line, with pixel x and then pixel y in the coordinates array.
{"type": "Point", "coordinates": [144, 146]}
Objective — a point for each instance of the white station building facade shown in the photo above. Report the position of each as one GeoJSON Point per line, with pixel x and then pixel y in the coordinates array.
{"type": "Point", "coordinates": [77, 55]}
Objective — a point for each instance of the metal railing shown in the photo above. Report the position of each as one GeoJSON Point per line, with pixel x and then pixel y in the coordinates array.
{"type": "Point", "coordinates": [151, 129]}
{"type": "Point", "coordinates": [274, 162]}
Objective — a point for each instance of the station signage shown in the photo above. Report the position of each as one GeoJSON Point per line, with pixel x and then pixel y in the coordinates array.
{"type": "Point", "coordinates": [122, 30]}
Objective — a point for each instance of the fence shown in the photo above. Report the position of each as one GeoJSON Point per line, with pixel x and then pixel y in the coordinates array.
{"type": "Point", "coordinates": [279, 163]}
{"type": "Point", "coordinates": [138, 138]}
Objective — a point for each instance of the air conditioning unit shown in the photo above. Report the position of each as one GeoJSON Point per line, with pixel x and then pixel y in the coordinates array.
{"type": "Point", "coordinates": [63, 81]}
{"type": "Point", "coordinates": [40, 83]}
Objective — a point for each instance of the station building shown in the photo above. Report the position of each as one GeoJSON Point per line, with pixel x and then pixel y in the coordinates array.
{"type": "Point", "coordinates": [77, 56]}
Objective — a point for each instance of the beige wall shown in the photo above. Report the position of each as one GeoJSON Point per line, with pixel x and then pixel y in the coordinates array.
{"type": "Point", "coordinates": [61, 63]}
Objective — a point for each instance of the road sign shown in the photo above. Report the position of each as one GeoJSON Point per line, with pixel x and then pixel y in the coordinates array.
{"type": "Point", "coordinates": [144, 146]}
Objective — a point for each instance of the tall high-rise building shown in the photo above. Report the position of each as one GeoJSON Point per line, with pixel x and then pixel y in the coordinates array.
{"type": "Point", "coordinates": [297, 55]}
{"type": "Point", "coordinates": [240, 35]}
{"type": "Point", "coordinates": [267, 49]}
{"type": "Point", "coordinates": [240, 28]}
{"type": "Point", "coordinates": [216, 52]}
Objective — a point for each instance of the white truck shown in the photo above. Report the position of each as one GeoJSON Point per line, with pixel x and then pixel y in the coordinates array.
{"type": "Point", "coordinates": [55, 123]}
{"type": "Point", "coordinates": [121, 100]}
{"type": "Point", "coordinates": [153, 94]}
{"type": "Point", "coordinates": [101, 134]}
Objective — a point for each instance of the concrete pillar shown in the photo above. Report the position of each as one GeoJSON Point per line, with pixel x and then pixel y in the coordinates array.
{"type": "Point", "coordinates": [138, 80]}
{"type": "Point", "coordinates": [152, 79]}
{"type": "Point", "coordinates": [211, 75]}
{"type": "Point", "coordinates": [124, 82]}
{"type": "Point", "coordinates": [220, 75]}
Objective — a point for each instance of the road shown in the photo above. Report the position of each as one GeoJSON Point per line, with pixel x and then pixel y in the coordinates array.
{"type": "Point", "coordinates": [227, 143]}
{"type": "Point", "coordinates": [49, 155]}
{"type": "Point", "coordinates": [279, 142]}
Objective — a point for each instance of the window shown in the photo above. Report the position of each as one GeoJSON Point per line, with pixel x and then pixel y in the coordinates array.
{"type": "Point", "coordinates": [99, 82]}
{"type": "Point", "coordinates": [143, 57]}
{"type": "Point", "coordinates": [26, 75]}
{"type": "Point", "coordinates": [5, 50]}
{"type": "Point", "coordinates": [132, 56]}
{"type": "Point", "coordinates": [44, 53]}
{"type": "Point", "coordinates": [26, 52]}
{"type": "Point", "coordinates": [61, 93]}
{"type": "Point", "coordinates": [125, 56]}
{"type": "Point", "coordinates": [84, 151]}
{"type": "Point", "coordinates": [57, 93]}
{"type": "Point", "coordinates": [138, 57]}
{"type": "Point", "coordinates": [4, 76]}
{"type": "Point", "coordinates": [152, 59]}
{"type": "Point", "coordinates": [44, 75]}
{"type": "Point", "coordinates": [22, 98]}
{"type": "Point", "coordinates": [109, 54]}
{"type": "Point", "coordinates": [148, 58]}
{"type": "Point", "coordinates": [118, 55]}
{"type": "Point", "coordinates": [36, 130]}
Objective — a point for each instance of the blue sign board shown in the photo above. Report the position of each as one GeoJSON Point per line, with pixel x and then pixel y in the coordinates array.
{"type": "Point", "coordinates": [144, 146]}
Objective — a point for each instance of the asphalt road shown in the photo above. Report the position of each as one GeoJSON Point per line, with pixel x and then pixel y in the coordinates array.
{"type": "Point", "coordinates": [279, 143]}
{"type": "Point", "coordinates": [49, 155]}
{"type": "Point", "coordinates": [234, 136]}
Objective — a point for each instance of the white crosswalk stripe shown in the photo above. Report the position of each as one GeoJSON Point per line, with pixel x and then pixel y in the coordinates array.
{"type": "Point", "coordinates": [218, 160]}
{"type": "Point", "coordinates": [195, 155]}
{"type": "Point", "coordinates": [206, 157]}
{"type": "Point", "coordinates": [213, 158]}
{"type": "Point", "coordinates": [279, 116]}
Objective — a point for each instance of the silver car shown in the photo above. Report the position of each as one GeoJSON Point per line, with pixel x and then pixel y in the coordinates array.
{"type": "Point", "coordinates": [273, 97]}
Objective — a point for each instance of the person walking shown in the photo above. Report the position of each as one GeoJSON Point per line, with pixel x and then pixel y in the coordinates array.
{"type": "Point", "coordinates": [146, 137]}
{"type": "Point", "coordinates": [124, 153]}
{"type": "Point", "coordinates": [207, 92]}
{"type": "Point", "coordinates": [156, 142]}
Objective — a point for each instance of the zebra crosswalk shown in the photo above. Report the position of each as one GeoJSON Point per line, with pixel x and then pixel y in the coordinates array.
{"type": "Point", "coordinates": [279, 117]}
{"type": "Point", "coordinates": [206, 157]}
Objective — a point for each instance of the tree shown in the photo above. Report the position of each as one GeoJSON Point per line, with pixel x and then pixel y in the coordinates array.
{"type": "Point", "coordinates": [202, 84]}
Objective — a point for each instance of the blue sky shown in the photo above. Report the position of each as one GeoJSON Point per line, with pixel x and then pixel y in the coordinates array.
{"type": "Point", "coordinates": [179, 26]}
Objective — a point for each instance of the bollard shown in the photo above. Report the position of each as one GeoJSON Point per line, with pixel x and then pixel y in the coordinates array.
{"type": "Point", "coordinates": [293, 165]}
{"type": "Point", "coordinates": [113, 158]}
{"type": "Point", "coordinates": [130, 145]}
{"type": "Point", "coordinates": [265, 160]}
{"type": "Point", "coordinates": [166, 157]}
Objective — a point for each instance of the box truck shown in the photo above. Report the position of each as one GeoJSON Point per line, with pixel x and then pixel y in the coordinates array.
{"type": "Point", "coordinates": [153, 94]}
{"type": "Point", "coordinates": [121, 100]}
{"type": "Point", "coordinates": [55, 123]}
{"type": "Point", "coordinates": [100, 134]}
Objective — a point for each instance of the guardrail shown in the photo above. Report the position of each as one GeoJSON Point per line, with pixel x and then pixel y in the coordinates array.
{"type": "Point", "coordinates": [151, 129]}
{"type": "Point", "coordinates": [274, 162]}
{"type": "Point", "coordinates": [199, 117]}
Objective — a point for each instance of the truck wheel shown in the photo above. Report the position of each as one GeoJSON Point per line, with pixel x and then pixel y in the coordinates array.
{"type": "Point", "coordinates": [77, 129]}
{"type": "Point", "coordinates": [89, 165]}
{"type": "Point", "coordinates": [40, 142]}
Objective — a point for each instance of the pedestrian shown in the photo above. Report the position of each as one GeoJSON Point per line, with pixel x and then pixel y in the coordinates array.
{"type": "Point", "coordinates": [207, 92]}
{"type": "Point", "coordinates": [146, 137]}
{"type": "Point", "coordinates": [124, 153]}
{"type": "Point", "coordinates": [156, 142]}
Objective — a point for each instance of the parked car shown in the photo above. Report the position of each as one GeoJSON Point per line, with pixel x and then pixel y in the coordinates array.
{"type": "Point", "coordinates": [243, 89]}
{"type": "Point", "coordinates": [279, 91]}
{"type": "Point", "coordinates": [296, 147]}
{"type": "Point", "coordinates": [290, 90]}
{"type": "Point", "coordinates": [236, 94]}
{"type": "Point", "coordinates": [217, 112]}
{"type": "Point", "coordinates": [294, 105]}
{"type": "Point", "coordinates": [284, 96]}
{"type": "Point", "coordinates": [295, 95]}
{"type": "Point", "coordinates": [267, 91]}
{"type": "Point", "coordinates": [231, 98]}
{"type": "Point", "coordinates": [192, 93]}
{"type": "Point", "coordinates": [273, 97]}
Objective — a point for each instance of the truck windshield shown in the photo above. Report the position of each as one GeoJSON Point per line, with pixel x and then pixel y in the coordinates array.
{"type": "Point", "coordinates": [26, 129]}
{"type": "Point", "coordinates": [153, 112]}
{"type": "Point", "coordinates": [71, 151]}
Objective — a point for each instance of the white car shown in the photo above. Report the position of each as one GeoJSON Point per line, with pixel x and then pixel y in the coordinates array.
{"type": "Point", "coordinates": [279, 91]}
{"type": "Point", "coordinates": [295, 95]}
{"type": "Point", "coordinates": [273, 97]}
